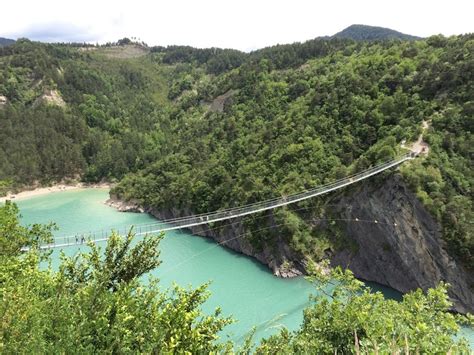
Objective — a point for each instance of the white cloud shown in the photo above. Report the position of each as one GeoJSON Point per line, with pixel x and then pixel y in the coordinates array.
{"type": "Point", "coordinates": [243, 24]}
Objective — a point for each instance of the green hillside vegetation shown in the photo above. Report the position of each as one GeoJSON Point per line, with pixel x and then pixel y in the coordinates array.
{"type": "Point", "coordinates": [95, 303]}
{"type": "Point", "coordinates": [290, 129]}
{"type": "Point", "coordinates": [300, 115]}
{"type": "Point", "coordinates": [111, 105]}
{"type": "Point", "coordinates": [6, 41]}
{"type": "Point", "coordinates": [372, 33]}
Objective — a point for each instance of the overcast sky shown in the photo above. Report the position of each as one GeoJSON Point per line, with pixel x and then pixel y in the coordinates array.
{"type": "Point", "coordinates": [240, 24]}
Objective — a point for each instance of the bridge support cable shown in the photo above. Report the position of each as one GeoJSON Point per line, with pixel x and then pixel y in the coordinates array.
{"type": "Point", "coordinates": [230, 213]}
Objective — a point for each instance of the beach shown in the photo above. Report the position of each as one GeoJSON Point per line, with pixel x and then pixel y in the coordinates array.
{"type": "Point", "coordinates": [50, 189]}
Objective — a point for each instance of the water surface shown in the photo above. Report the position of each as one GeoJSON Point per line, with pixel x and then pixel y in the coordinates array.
{"type": "Point", "coordinates": [241, 286]}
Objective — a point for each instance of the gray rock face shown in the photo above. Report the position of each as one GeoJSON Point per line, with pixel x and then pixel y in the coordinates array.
{"type": "Point", "coordinates": [219, 103]}
{"type": "Point", "coordinates": [404, 249]}
{"type": "Point", "coordinates": [280, 259]}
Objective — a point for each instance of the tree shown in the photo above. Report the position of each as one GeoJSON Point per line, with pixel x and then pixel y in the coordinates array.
{"type": "Point", "coordinates": [124, 41]}
{"type": "Point", "coordinates": [13, 236]}
{"type": "Point", "coordinates": [348, 318]}
{"type": "Point", "coordinates": [96, 301]}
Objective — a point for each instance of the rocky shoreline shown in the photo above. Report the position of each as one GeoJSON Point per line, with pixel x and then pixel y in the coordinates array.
{"type": "Point", "coordinates": [281, 266]}
{"type": "Point", "coordinates": [124, 206]}
{"type": "Point", "coordinates": [401, 248]}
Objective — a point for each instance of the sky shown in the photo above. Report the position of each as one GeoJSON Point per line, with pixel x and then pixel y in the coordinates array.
{"type": "Point", "coordinates": [239, 24]}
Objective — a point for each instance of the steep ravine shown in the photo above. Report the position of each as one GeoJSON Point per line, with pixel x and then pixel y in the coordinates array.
{"type": "Point", "coordinates": [403, 250]}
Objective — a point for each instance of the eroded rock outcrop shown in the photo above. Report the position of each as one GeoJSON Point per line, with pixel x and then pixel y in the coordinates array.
{"type": "Point", "coordinates": [219, 103]}
{"type": "Point", "coordinates": [50, 97]}
{"type": "Point", "coordinates": [124, 206]}
{"type": "Point", "coordinates": [404, 248]}
{"type": "Point", "coordinates": [280, 258]}
{"type": "Point", "coordinates": [3, 100]}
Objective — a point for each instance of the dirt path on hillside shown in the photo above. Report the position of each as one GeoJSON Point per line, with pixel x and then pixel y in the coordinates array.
{"type": "Point", "coordinates": [420, 147]}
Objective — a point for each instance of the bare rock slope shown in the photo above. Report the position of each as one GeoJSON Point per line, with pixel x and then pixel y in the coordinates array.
{"type": "Point", "coordinates": [404, 249]}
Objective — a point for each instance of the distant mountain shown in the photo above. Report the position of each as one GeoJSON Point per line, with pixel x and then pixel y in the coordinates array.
{"type": "Point", "coordinates": [6, 41]}
{"type": "Point", "coordinates": [372, 33]}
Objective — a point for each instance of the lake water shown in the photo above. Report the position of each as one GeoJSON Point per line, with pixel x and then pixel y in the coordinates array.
{"type": "Point", "coordinates": [241, 286]}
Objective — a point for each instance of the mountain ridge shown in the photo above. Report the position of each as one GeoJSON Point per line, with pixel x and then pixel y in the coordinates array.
{"type": "Point", "coordinates": [6, 41]}
{"type": "Point", "coordinates": [357, 32]}
{"type": "Point", "coordinates": [360, 32]}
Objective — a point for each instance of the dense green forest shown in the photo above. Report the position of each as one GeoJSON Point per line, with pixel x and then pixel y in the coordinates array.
{"type": "Point", "coordinates": [6, 41]}
{"type": "Point", "coordinates": [292, 117]}
{"type": "Point", "coordinates": [95, 303]}
{"type": "Point", "coordinates": [372, 33]}
{"type": "Point", "coordinates": [289, 126]}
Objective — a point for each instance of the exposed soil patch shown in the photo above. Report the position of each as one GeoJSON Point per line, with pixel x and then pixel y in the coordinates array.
{"type": "Point", "coordinates": [51, 97]}
{"type": "Point", "coordinates": [420, 147]}
{"type": "Point", "coordinates": [124, 52]}
{"type": "Point", "coordinates": [220, 101]}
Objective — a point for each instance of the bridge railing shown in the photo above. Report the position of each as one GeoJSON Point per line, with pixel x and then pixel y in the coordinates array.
{"type": "Point", "coordinates": [230, 213]}
{"type": "Point", "coordinates": [270, 204]}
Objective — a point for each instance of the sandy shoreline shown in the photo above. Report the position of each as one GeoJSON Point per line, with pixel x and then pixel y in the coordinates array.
{"type": "Point", "coordinates": [51, 189]}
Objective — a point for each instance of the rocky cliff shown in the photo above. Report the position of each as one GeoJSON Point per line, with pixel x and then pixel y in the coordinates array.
{"type": "Point", "coordinates": [280, 258]}
{"type": "Point", "coordinates": [404, 248]}
{"type": "Point", "coordinates": [398, 243]}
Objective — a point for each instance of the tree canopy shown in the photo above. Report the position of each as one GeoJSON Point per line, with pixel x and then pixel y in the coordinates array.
{"type": "Point", "coordinates": [95, 301]}
{"type": "Point", "coordinates": [349, 318]}
{"type": "Point", "coordinates": [203, 129]}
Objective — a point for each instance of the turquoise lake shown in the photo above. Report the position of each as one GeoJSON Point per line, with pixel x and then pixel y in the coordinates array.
{"type": "Point", "coordinates": [241, 286]}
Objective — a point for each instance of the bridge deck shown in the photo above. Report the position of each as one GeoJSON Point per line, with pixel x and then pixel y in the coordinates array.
{"type": "Point", "coordinates": [216, 216]}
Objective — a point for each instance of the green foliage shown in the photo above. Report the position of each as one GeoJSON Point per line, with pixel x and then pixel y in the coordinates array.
{"type": "Point", "coordinates": [349, 318]}
{"type": "Point", "coordinates": [108, 128]}
{"type": "Point", "coordinates": [372, 33]}
{"type": "Point", "coordinates": [297, 116]}
{"type": "Point", "coordinates": [287, 130]}
{"type": "Point", "coordinates": [5, 186]}
{"type": "Point", "coordinates": [95, 302]}
{"type": "Point", "coordinates": [14, 237]}
{"type": "Point", "coordinates": [215, 60]}
{"type": "Point", "coordinates": [40, 144]}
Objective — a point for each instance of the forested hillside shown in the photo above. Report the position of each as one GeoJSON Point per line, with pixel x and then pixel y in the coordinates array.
{"type": "Point", "coordinates": [289, 127]}
{"type": "Point", "coordinates": [372, 33]}
{"type": "Point", "coordinates": [294, 116]}
{"type": "Point", "coordinates": [6, 41]}
{"type": "Point", "coordinates": [110, 124]}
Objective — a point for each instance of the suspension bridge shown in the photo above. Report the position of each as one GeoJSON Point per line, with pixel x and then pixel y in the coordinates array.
{"type": "Point", "coordinates": [230, 213]}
